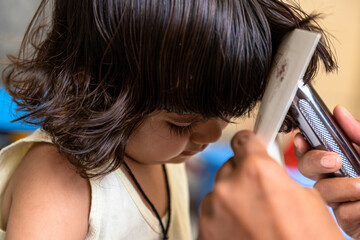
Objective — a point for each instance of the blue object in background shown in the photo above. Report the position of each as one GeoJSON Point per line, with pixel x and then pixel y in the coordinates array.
{"type": "Point", "coordinates": [8, 113]}
{"type": "Point", "coordinates": [212, 158]}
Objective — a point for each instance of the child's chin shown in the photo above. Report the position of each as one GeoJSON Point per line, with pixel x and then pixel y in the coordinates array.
{"type": "Point", "coordinates": [180, 159]}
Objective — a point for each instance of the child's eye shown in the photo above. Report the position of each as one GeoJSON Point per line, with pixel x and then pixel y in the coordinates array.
{"type": "Point", "coordinates": [180, 130]}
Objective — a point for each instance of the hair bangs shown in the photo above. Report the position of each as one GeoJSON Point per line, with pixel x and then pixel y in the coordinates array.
{"type": "Point", "coordinates": [210, 57]}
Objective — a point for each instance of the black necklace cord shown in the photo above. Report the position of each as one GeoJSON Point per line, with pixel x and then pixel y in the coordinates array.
{"type": "Point", "coordinates": [164, 229]}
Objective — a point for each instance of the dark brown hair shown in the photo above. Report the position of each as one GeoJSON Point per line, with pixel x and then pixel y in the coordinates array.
{"type": "Point", "coordinates": [92, 74]}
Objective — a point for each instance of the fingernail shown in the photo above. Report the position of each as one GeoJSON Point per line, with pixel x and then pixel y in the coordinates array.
{"type": "Point", "coordinates": [329, 161]}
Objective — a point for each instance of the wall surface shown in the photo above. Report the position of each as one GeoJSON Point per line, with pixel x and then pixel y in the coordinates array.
{"type": "Point", "coordinates": [15, 15]}
{"type": "Point", "coordinates": [342, 20]}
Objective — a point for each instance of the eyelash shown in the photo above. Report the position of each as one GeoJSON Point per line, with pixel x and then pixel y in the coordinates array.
{"type": "Point", "coordinates": [180, 130]}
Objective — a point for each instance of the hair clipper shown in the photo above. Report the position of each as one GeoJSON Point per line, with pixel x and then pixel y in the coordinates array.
{"type": "Point", "coordinates": [320, 129]}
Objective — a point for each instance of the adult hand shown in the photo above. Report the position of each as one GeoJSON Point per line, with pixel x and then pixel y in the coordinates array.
{"type": "Point", "coordinates": [342, 194]}
{"type": "Point", "coordinates": [254, 198]}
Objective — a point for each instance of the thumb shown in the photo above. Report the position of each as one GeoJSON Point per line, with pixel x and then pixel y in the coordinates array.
{"type": "Point", "coordinates": [348, 123]}
{"type": "Point", "coordinates": [246, 142]}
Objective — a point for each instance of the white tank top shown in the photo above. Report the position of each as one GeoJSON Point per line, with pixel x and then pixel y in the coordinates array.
{"type": "Point", "coordinates": [117, 211]}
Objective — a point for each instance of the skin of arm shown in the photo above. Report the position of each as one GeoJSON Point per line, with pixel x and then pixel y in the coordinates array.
{"type": "Point", "coordinates": [49, 200]}
{"type": "Point", "coordinates": [342, 194]}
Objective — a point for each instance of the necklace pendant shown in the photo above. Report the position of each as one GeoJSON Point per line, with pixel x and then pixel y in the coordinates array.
{"type": "Point", "coordinates": [166, 237]}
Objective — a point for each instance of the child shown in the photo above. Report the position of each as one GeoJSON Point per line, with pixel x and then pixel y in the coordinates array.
{"type": "Point", "coordinates": [121, 89]}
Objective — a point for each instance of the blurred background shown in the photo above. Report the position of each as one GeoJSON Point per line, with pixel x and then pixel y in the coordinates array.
{"type": "Point", "coordinates": [15, 15]}
{"type": "Point", "coordinates": [340, 18]}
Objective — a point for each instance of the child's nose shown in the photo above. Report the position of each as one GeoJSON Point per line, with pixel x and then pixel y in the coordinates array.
{"type": "Point", "coordinates": [208, 132]}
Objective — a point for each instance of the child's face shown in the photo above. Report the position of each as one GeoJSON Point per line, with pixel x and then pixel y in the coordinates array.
{"type": "Point", "coordinates": [172, 138]}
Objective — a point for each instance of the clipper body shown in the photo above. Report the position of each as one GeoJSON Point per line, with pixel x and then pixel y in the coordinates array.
{"type": "Point", "coordinates": [320, 129]}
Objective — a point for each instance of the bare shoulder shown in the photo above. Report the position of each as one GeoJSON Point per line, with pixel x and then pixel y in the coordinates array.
{"type": "Point", "coordinates": [49, 199]}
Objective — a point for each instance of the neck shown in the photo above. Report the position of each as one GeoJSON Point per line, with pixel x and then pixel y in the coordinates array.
{"type": "Point", "coordinates": [152, 180]}
{"type": "Point", "coordinates": [141, 170]}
